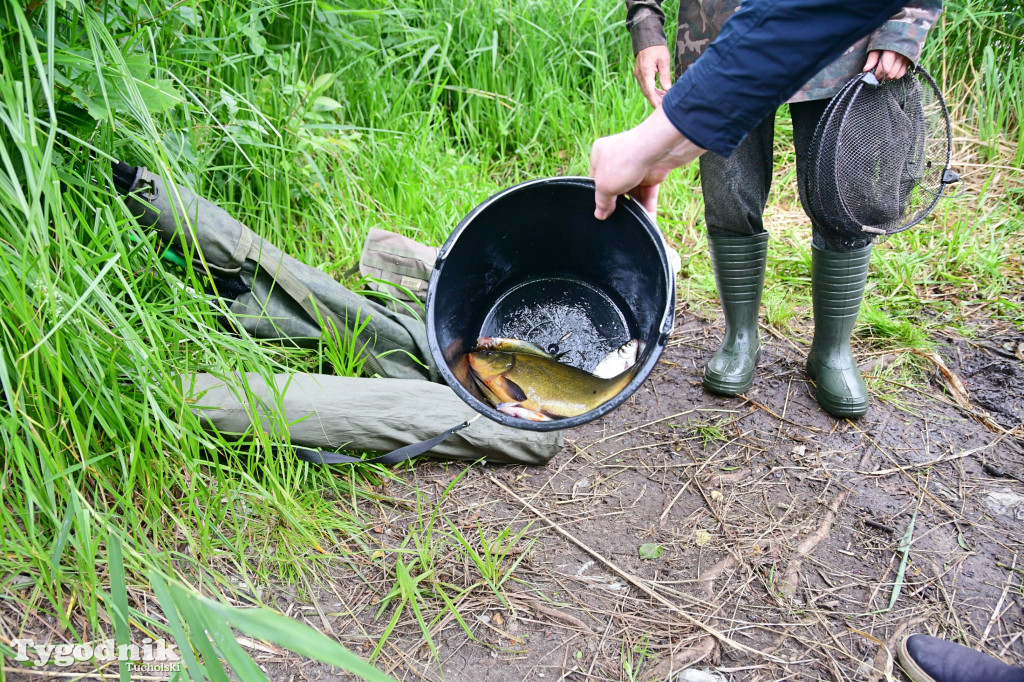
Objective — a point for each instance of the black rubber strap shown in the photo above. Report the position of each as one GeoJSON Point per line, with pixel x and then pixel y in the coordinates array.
{"type": "Point", "coordinates": [394, 457]}
{"type": "Point", "coordinates": [126, 178]}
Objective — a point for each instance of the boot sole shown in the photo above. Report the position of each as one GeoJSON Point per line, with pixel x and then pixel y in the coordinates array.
{"type": "Point", "coordinates": [843, 411]}
{"type": "Point", "coordinates": [727, 388]}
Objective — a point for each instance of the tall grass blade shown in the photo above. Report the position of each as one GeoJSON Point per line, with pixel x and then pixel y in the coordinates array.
{"type": "Point", "coordinates": [119, 597]}
{"type": "Point", "coordinates": [273, 627]}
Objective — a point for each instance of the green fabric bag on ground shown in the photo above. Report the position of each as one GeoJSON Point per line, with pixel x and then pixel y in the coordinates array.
{"type": "Point", "coordinates": [361, 415]}
{"type": "Point", "coordinates": [276, 297]}
{"type": "Point", "coordinates": [285, 299]}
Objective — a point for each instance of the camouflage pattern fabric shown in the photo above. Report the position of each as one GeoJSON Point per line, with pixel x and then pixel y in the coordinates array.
{"type": "Point", "coordinates": [701, 21]}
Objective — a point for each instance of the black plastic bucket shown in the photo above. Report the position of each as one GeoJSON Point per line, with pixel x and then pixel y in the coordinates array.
{"type": "Point", "coordinates": [533, 263]}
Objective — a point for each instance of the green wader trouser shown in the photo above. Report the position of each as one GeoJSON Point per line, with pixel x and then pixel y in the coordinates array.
{"type": "Point", "coordinates": [288, 301]}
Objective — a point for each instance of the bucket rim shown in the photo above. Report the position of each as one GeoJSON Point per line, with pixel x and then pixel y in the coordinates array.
{"type": "Point", "coordinates": [655, 346]}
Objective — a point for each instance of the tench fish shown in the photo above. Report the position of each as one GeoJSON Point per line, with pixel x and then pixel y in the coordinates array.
{"type": "Point", "coordinates": [531, 386]}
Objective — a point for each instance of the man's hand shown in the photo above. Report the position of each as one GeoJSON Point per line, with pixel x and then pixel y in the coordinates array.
{"type": "Point", "coordinates": [650, 62]}
{"type": "Point", "coordinates": [886, 64]}
{"type": "Point", "coordinates": [637, 161]}
{"type": "Point", "coordinates": [617, 170]}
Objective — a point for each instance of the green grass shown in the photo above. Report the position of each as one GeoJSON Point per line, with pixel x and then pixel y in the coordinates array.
{"type": "Point", "coordinates": [312, 122]}
{"type": "Point", "coordinates": [709, 431]}
{"type": "Point", "coordinates": [779, 306]}
{"type": "Point", "coordinates": [634, 657]}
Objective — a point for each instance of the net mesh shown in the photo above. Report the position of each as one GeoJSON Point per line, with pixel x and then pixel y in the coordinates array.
{"type": "Point", "coordinates": [879, 157]}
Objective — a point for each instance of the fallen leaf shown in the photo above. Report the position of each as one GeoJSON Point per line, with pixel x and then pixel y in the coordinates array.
{"type": "Point", "coordinates": [650, 550]}
{"type": "Point", "coordinates": [702, 538]}
{"type": "Point", "coordinates": [258, 646]}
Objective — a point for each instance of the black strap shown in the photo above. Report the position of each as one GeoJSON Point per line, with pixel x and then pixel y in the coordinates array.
{"type": "Point", "coordinates": [394, 457]}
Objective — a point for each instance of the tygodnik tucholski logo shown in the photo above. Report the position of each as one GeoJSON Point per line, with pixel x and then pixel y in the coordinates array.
{"type": "Point", "coordinates": [149, 656]}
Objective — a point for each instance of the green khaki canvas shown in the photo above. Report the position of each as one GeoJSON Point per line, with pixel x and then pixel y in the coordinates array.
{"type": "Point", "coordinates": [283, 299]}
{"type": "Point", "coordinates": [397, 265]}
{"type": "Point", "coordinates": [359, 415]}
{"type": "Point", "coordinates": [286, 299]}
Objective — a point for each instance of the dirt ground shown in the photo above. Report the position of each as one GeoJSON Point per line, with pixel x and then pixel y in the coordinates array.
{"type": "Point", "coordinates": [781, 544]}
{"type": "Point", "coordinates": [783, 532]}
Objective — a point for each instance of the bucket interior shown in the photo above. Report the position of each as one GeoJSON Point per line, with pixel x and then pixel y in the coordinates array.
{"type": "Point", "coordinates": [567, 317]}
{"type": "Point", "coordinates": [532, 263]}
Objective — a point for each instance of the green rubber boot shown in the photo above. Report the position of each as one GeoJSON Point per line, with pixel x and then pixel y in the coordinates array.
{"type": "Point", "coordinates": [837, 286]}
{"type": "Point", "coordinates": [739, 263]}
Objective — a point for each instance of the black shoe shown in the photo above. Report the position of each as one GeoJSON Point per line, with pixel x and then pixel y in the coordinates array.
{"type": "Point", "coordinates": [930, 659]}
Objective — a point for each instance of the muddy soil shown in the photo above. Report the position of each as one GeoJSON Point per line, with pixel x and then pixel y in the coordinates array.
{"type": "Point", "coordinates": [992, 370]}
{"type": "Point", "coordinates": [789, 545]}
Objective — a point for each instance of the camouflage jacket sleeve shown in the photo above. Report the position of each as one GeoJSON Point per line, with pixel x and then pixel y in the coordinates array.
{"type": "Point", "coordinates": [646, 23]}
{"type": "Point", "coordinates": [906, 30]}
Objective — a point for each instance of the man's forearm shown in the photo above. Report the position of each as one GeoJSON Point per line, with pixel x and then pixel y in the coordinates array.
{"type": "Point", "coordinates": [658, 142]}
{"type": "Point", "coordinates": [637, 161]}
